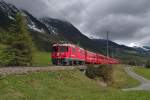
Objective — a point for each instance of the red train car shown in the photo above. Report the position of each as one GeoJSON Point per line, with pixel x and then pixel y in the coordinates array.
{"type": "Point", "coordinates": [69, 54]}
{"type": "Point", "coordinates": [90, 57]}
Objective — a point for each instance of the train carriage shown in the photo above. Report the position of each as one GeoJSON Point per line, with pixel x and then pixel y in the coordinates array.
{"type": "Point", "coordinates": [100, 59]}
{"type": "Point", "coordinates": [90, 58]}
{"type": "Point", "coordinates": [69, 54]}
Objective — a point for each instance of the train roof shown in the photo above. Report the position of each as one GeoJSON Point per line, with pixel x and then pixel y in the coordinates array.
{"type": "Point", "coordinates": [64, 45]}
{"type": "Point", "coordinates": [69, 45]}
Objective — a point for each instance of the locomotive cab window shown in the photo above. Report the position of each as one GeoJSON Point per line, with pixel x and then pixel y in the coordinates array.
{"type": "Point", "coordinates": [63, 49]}
{"type": "Point", "coordinates": [55, 49]}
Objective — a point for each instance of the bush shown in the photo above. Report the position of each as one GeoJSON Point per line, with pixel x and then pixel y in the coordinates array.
{"type": "Point", "coordinates": [103, 72]}
{"type": "Point", "coordinates": [132, 62]}
{"type": "Point", "coordinates": [147, 64]}
{"type": "Point", "coordinates": [91, 71]}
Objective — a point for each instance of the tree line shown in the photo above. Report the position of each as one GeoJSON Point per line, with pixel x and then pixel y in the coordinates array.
{"type": "Point", "coordinates": [135, 63]}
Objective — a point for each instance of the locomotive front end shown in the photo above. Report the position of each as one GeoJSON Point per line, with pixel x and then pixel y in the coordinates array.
{"type": "Point", "coordinates": [59, 54]}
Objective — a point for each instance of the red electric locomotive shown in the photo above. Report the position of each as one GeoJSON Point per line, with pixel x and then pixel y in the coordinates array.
{"type": "Point", "coordinates": [69, 54]}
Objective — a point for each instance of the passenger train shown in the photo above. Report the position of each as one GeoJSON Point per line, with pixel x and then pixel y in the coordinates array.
{"type": "Point", "coordinates": [70, 54]}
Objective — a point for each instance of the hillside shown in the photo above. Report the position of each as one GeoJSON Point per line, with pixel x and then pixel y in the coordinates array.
{"type": "Point", "coordinates": [46, 31]}
{"type": "Point", "coordinates": [70, 85]}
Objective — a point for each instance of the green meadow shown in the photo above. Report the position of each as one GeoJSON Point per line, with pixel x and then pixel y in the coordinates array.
{"type": "Point", "coordinates": [68, 85]}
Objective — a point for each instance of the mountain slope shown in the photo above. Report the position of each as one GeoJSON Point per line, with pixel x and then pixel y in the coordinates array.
{"type": "Point", "coordinates": [69, 32]}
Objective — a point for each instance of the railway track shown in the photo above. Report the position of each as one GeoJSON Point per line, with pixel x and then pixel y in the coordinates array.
{"type": "Point", "coordinates": [27, 70]}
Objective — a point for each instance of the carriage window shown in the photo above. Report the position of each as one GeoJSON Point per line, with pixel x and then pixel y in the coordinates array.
{"type": "Point", "coordinates": [63, 49]}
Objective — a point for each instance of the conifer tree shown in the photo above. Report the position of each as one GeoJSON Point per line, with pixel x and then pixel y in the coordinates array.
{"type": "Point", "coordinates": [20, 50]}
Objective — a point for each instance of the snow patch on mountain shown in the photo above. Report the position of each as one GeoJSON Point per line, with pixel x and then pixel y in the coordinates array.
{"type": "Point", "coordinates": [33, 27]}
{"type": "Point", "coordinates": [51, 28]}
{"type": "Point", "coordinates": [10, 17]}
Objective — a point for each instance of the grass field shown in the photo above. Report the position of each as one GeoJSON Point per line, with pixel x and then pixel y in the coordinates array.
{"type": "Point", "coordinates": [121, 79]}
{"type": "Point", "coordinates": [64, 85]}
{"type": "Point", "coordinates": [41, 58]}
{"type": "Point", "coordinates": [145, 72]}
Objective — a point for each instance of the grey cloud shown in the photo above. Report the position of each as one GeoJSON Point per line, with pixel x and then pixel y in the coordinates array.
{"type": "Point", "coordinates": [127, 20]}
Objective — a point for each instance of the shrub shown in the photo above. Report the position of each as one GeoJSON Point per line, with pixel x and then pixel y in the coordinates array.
{"type": "Point", "coordinates": [103, 72]}
{"type": "Point", "coordinates": [147, 65]}
{"type": "Point", "coordinates": [132, 62]}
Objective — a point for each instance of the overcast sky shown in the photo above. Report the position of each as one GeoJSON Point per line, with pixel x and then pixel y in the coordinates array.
{"type": "Point", "coordinates": [128, 21]}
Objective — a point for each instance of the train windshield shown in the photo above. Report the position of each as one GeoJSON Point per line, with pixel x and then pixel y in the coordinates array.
{"type": "Point", "coordinates": [63, 49]}
{"type": "Point", "coordinates": [60, 49]}
{"type": "Point", "coordinates": [55, 49]}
